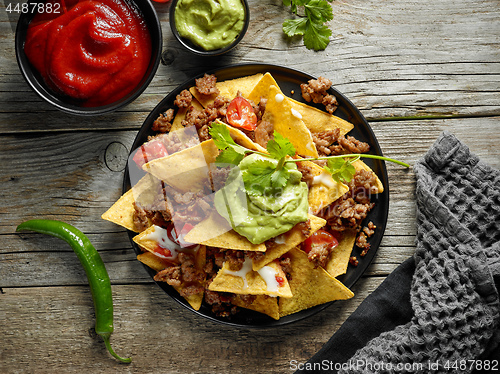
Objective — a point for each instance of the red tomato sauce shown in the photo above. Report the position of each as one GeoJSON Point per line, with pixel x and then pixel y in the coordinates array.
{"type": "Point", "coordinates": [96, 52]}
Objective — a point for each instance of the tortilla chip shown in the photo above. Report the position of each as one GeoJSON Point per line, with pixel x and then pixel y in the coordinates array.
{"type": "Point", "coordinates": [250, 282]}
{"type": "Point", "coordinates": [242, 139]}
{"type": "Point", "coordinates": [157, 263]}
{"type": "Point", "coordinates": [122, 211]}
{"type": "Point", "coordinates": [181, 114]}
{"type": "Point", "coordinates": [229, 89]}
{"type": "Point", "coordinates": [262, 304]}
{"type": "Point", "coordinates": [310, 286]}
{"type": "Point", "coordinates": [142, 241]}
{"type": "Point", "coordinates": [187, 170]}
{"type": "Point", "coordinates": [358, 165]}
{"type": "Point", "coordinates": [287, 241]}
{"type": "Point", "coordinates": [216, 232]}
{"type": "Point", "coordinates": [316, 120]}
{"type": "Point", "coordinates": [339, 258]}
{"type": "Point", "coordinates": [154, 262]}
{"type": "Point", "coordinates": [324, 190]}
{"type": "Point", "coordinates": [288, 122]}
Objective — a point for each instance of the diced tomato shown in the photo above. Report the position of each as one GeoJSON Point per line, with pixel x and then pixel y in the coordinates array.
{"type": "Point", "coordinates": [280, 280]}
{"type": "Point", "coordinates": [164, 252]}
{"type": "Point", "coordinates": [149, 151]}
{"type": "Point", "coordinates": [320, 237]}
{"type": "Point", "coordinates": [240, 114]}
{"type": "Point", "coordinates": [179, 237]}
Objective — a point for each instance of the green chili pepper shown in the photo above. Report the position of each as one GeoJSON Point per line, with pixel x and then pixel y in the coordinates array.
{"type": "Point", "coordinates": [98, 277]}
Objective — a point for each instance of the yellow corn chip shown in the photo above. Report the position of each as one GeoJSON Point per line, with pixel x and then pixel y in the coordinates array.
{"type": "Point", "coordinates": [187, 170]}
{"type": "Point", "coordinates": [262, 304]}
{"type": "Point", "coordinates": [229, 89]}
{"type": "Point", "coordinates": [310, 286]}
{"type": "Point", "coordinates": [358, 165]}
{"type": "Point", "coordinates": [287, 241]}
{"type": "Point", "coordinates": [181, 115]}
{"type": "Point", "coordinates": [122, 211]}
{"type": "Point", "coordinates": [288, 122]}
{"type": "Point", "coordinates": [316, 120]}
{"type": "Point", "coordinates": [339, 258]}
{"type": "Point", "coordinates": [250, 282]}
{"type": "Point", "coordinates": [324, 190]}
{"type": "Point", "coordinates": [157, 263]}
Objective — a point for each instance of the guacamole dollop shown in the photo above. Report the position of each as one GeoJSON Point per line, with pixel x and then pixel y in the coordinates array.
{"type": "Point", "coordinates": [262, 216]}
{"type": "Point", "coordinates": [210, 24]}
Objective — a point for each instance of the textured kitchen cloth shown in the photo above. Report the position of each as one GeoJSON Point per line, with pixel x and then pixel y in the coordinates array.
{"type": "Point", "coordinates": [439, 309]}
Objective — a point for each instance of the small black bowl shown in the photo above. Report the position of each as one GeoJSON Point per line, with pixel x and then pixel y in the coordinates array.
{"type": "Point", "coordinates": [197, 49]}
{"type": "Point", "coordinates": [69, 105]}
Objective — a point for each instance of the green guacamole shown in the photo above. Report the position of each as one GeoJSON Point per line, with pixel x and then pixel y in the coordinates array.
{"type": "Point", "coordinates": [261, 217]}
{"type": "Point", "coordinates": [210, 24]}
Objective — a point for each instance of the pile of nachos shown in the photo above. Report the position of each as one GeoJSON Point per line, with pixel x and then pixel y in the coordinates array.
{"type": "Point", "coordinates": [229, 226]}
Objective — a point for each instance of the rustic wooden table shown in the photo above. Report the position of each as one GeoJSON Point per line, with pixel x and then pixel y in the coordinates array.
{"type": "Point", "coordinates": [413, 68]}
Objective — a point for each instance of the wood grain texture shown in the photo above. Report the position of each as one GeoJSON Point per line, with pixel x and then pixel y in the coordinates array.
{"type": "Point", "coordinates": [414, 69]}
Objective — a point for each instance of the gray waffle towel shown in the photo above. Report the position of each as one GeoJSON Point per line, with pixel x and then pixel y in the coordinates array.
{"type": "Point", "coordinates": [452, 314]}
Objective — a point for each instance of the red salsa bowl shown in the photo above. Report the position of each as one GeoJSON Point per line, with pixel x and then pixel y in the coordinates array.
{"type": "Point", "coordinates": [86, 57]}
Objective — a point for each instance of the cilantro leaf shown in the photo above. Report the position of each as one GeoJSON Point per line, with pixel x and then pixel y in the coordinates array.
{"type": "Point", "coordinates": [258, 178]}
{"type": "Point", "coordinates": [280, 147]}
{"type": "Point", "coordinates": [230, 156]}
{"type": "Point", "coordinates": [232, 153]}
{"type": "Point", "coordinates": [319, 11]}
{"type": "Point", "coordinates": [220, 135]}
{"type": "Point", "coordinates": [341, 169]}
{"type": "Point", "coordinates": [293, 27]}
{"type": "Point", "coordinates": [310, 25]}
{"type": "Point", "coordinates": [317, 37]}
{"type": "Point", "coordinates": [279, 178]}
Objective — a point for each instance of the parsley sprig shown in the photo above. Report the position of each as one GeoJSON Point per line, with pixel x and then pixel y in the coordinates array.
{"type": "Point", "coordinates": [311, 24]}
{"type": "Point", "coordinates": [266, 172]}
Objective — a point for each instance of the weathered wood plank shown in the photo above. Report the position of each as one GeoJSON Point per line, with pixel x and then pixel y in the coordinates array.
{"type": "Point", "coordinates": [391, 59]}
{"type": "Point", "coordinates": [151, 328]}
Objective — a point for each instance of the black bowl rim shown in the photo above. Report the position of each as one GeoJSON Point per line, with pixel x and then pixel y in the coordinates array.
{"type": "Point", "coordinates": [201, 52]}
{"type": "Point", "coordinates": [37, 84]}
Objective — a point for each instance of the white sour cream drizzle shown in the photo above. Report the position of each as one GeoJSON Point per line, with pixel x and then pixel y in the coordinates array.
{"type": "Point", "coordinates": [296, 114]}
{"type": "Point", "coordinates": [279, 98]}
{"type": "Point", "coordinates": [267, 273]}
{"type": "Point", "coordinates": [309, 146]}
{"type": "Point", "coordinates": [242, 273]}
{"type": "Point", "coordinates": [325, 179]}
{"type": "Point", "coordinates": [280, 239]}
{"type": "Point", "coordinates": [159, 235]}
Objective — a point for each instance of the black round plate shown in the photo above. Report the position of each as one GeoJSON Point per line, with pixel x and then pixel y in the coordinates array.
{"type": "Point", "coordinates": [289, 81]}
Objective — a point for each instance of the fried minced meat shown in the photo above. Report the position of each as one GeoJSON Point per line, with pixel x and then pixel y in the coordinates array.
{"type": "Point", "coordinates": [185, 273]}
{"type": "Point", "coordinates": [330, 143]}
{"type": "Point", "coordinates": [319, 254]}
{"type": "Point", "coordinates": [206, 85]}
{"type": "Point", "coordinates": [316, 91]}
{"type": "Point", "coordinates": [264, 132]}
{"type": "Point", "coordinates": [202, 119]}
{"type": "Point", "coordinates": [220, 302]}
{"type": "Point", "coordinates": [362, 239]}
{"type": "Point", "coordinates": [286, 265]}
{"type": "Point", "coordinates": [163, 123]}
{"type": "Point", "coordinates": [307, 173]}
{"type": "Point", "coordinates": [184, 99]}
{"type": "Point", "coordinates": [348, 211]}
